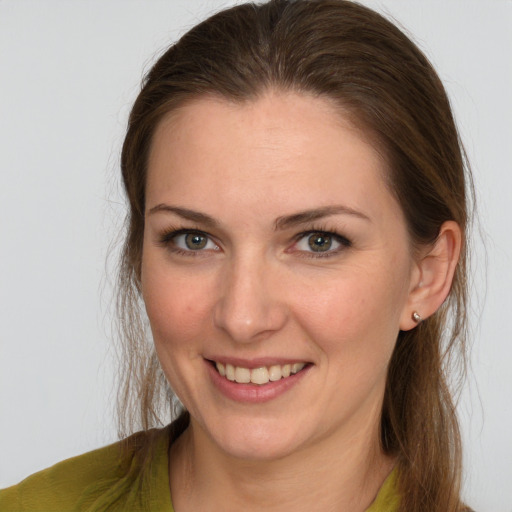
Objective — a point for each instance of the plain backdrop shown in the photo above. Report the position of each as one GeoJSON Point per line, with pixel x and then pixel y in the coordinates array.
{"type": "Point", "coordinates": [69, 71]}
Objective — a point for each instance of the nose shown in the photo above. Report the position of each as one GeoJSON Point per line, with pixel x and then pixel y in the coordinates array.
{"type": "Point", "coordinates": [249, 307]}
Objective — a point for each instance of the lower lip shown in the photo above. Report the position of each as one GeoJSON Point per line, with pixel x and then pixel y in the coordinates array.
{"type": "Point", "coordinates": [254, 393]}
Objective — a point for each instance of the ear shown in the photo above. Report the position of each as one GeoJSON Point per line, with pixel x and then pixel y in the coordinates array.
{"type": "Point", "coordinates": [432, 275]}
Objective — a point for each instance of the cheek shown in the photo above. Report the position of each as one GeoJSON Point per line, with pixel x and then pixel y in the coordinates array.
{"type": "Point", "coordinates": [177, 306]}
{"type": "Point", "coordinates": [356, 315]}
{"type": "Point", "coordinates": [178, 312]}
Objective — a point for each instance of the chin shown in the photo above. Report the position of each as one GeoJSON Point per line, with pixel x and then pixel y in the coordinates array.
{"type": "Point", "coordinates": [256, 439]}
{"type": "Point", "coordinates": [260, 449]}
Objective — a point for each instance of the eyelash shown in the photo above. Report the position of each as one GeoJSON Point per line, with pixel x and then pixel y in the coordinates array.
{"type": "Point", "coordinates": [167, 238]}
{"type": "Point", "coordinates": [344, 242]}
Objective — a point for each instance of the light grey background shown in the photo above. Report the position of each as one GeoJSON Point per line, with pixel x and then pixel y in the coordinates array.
{"type": "Point", "coordinates": [69, 71]}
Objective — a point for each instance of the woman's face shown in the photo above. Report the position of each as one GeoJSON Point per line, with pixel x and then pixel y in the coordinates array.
{"type": "Point", "coordinates": [272, 246]}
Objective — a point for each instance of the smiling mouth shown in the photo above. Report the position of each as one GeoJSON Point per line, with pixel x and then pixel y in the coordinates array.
{"type": "Point", "coordinates": [260, 376]}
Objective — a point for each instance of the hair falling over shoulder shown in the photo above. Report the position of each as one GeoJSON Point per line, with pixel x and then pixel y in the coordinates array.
{"type": "Point", "coordinates": [373, 73]}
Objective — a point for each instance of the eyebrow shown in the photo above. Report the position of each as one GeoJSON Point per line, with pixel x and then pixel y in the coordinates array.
{"type": "Point", "coordinates": [185, 213]}
{"type": "Point", "coordinates": [318, 213]}
{"type": "Point", "coordinates": [284, 222]}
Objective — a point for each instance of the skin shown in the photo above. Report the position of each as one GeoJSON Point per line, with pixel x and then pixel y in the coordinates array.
{"type": "Point", "coordinates": [255, 291]}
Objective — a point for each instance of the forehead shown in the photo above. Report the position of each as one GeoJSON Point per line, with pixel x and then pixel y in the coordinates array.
{"type": "Point", "coordinates": [279, 148]}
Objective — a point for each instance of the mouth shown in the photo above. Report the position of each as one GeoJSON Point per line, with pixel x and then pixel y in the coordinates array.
{"type": "Point", "coordinates": [259, 376]}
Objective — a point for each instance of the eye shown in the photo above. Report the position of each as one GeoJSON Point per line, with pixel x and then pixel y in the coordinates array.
{"type": "Point", "coordinates": [192, 241]}
{"type": "Point", "coordinates": [321, 243]}
{"type": "Point", "coordinates": [183, 241]}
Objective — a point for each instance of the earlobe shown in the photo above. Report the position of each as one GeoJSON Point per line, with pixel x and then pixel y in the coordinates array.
{"type": "Point", "coordinates": [433, 278]}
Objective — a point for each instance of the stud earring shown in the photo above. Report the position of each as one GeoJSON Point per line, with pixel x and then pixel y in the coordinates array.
{"type": "Point", "coordinates": [416, 317]}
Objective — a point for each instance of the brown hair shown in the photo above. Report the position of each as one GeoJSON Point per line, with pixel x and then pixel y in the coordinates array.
{"type": "Point", "coordinates": [346, 52]}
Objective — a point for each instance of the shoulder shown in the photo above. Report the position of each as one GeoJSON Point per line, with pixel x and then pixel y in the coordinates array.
{"type": "Point", "coordinates": [113, 475]}
{"type": "Point", "coordinates": [388, 498]}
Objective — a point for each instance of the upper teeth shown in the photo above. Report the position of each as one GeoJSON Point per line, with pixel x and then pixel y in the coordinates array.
{"type": "Point", "coordinates": [261, 375]}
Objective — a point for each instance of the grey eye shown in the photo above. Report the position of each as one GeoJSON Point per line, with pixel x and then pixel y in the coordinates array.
{"type": "Point", "coordinates": [195, 241]}
{"type": "Point", "coordinates": [320, 242]}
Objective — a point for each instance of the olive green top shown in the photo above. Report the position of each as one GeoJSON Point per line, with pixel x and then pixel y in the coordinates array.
{"type": "Point", "coordinates": [116, 479]}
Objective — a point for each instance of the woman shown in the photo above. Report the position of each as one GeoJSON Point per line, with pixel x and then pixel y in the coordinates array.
{"type": "Point", "coordinates": [297, 233]}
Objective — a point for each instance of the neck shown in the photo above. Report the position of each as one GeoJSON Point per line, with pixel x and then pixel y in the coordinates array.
{"type": "Point", "coordinates": [342, 472]}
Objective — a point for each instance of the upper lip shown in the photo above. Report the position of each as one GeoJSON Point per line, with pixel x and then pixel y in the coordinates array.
{"type": "Point", "coordinates": [258, 362]}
